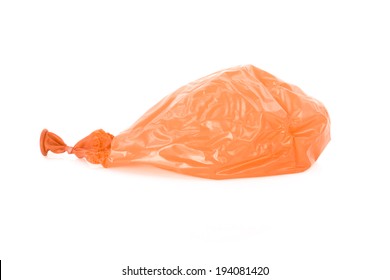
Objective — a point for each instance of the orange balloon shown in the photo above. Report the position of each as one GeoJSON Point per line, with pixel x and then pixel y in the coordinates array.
{"type": "Point", "coordinates": [238, 122]}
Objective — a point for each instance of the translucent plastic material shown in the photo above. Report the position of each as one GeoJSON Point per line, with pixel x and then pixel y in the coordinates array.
{"type": "Point", "coordinates": [238, 122]}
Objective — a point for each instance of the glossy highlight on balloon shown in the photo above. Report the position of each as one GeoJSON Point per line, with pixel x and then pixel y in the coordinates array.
{"type": "Point", "coordinates": [238, 122]}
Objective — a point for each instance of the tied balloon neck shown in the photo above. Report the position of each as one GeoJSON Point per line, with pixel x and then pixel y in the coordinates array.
{"type": "Point", "coordinates": [95, 148]}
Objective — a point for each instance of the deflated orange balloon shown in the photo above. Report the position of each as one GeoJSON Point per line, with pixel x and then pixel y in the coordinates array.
{"type": "Point", "coordinates": [238, 122]}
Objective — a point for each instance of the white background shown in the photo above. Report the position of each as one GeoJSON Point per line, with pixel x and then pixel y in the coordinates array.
{"type": "Point", "coordinates": [76, 66]}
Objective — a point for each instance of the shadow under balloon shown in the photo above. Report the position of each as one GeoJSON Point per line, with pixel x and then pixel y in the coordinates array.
{"type": "Point", "coordinates": [147, 170]}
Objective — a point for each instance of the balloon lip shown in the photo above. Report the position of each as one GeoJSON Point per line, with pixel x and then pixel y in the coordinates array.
{"type": "Point", "coordinates": [42, 142]}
